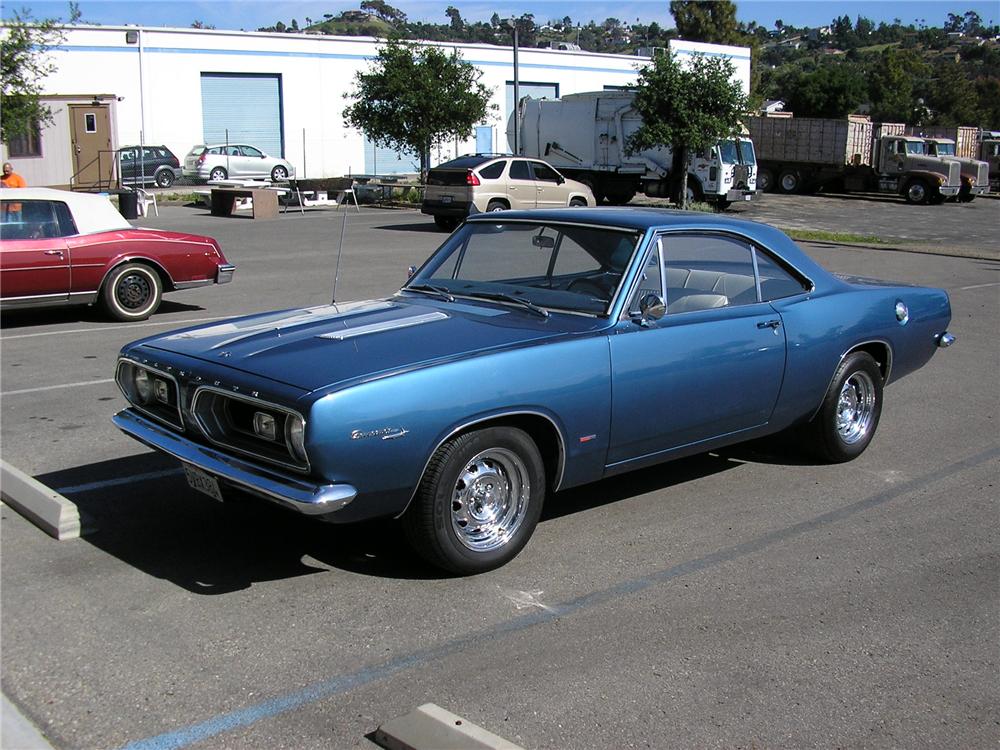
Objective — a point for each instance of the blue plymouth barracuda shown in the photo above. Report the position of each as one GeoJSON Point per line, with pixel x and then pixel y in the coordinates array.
{"type": "Point", "coordinates": [532, 352]}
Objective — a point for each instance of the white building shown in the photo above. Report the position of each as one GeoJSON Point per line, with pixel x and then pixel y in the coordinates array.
{"type": "Point", "coordinates": [116, 86]}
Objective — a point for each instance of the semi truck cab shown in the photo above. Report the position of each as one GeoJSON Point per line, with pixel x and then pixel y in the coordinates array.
{"type": "Point", "coordinates": [975, 174]}
{"type": "Point", "coordinates": [904, 166]}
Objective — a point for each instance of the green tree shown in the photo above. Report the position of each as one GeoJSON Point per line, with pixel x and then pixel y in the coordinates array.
{"type": "Point", "coordinates": [893, 83]}
{"type": "Point", "coordinates": [24, 64]}
{"type": "Point", "coordinates": [413, 97]}
{"type": "Point", "coordinates": [829, 91]}
{"type": "Point", "coordinates": [455, 15]}
{"type": "Point", "coordinates": [686, 108]}
{"type": "Point", "coordinates": [711, 21]}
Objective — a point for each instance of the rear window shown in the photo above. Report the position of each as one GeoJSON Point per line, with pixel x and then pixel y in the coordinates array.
{"type": "Point", "coordinates": [465, 162]}
{"type": "Point", "coordinates": [493, 171]}
{"type": "Point", "coordinates": [447, 177]}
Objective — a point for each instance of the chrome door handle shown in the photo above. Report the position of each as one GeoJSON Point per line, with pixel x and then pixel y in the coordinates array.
{"type": "Point", "coordinates": [773, 324]}
{"type": "Point", "coordinates": [54, 252]}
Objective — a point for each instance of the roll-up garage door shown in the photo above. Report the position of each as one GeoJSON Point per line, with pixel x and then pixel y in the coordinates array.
{"type": "Point", "coordinates": [243, 108]}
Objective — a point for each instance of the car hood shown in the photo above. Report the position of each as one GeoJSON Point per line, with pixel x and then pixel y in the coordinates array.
{"type": "Point", "coordinates": [332, 345]}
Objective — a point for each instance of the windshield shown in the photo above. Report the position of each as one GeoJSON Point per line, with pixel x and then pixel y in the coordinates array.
{"type": "Point", "coordinates": [912, 147]}
{"type": "Point", "coordinates": [944, 149]}
{"type": "Point", "coordinates": [538, 266]}
{"type": "Point", "coordinates": [727, 151]}
{"type": "Point", "coordinates": [746, 152]}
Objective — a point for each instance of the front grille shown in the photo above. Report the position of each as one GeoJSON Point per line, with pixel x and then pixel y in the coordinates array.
{"type": "Point", "coordinates": [741, 175]}
{"type": "Point", "coordinates": [228, 420]}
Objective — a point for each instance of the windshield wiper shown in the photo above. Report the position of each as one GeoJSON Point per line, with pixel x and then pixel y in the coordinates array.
{"type": "Point", "coordinates": [432, 289]}
{"type": "Point", "coordinates": [503, 296]}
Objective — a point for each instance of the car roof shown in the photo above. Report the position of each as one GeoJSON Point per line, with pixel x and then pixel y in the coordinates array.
{"type": "Point", "coordinates": [645, 218]}
{"type": "Point", "coordinates": [92, 212]}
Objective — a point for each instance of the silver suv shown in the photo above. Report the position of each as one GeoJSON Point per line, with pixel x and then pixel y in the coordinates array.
{"type": "Point", "coordinates": [491, 182]}
{"type": "Point", "coordinates": [234, 160]}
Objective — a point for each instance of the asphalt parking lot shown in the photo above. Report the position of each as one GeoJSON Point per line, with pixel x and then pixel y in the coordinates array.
{"type": "Point", "coordinates": [747, 598]}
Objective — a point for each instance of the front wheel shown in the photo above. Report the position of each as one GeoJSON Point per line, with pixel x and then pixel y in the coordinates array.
{"type": "Point", "coordinates": [132, 292]}
{"type": "Point", "coordinates": [917, 192]}
{"type": "Point", "coordinates": [849, 416]}
{"type": "Point", "coordinates": [478, 502]}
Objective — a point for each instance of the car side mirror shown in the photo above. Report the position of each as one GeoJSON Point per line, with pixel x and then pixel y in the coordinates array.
{"type": "Point", "coordinates": [410, 271]}
{"type": "Point", "coordinates": [560, 180]}
{"type": "Point", "coordinates": [651, 307]}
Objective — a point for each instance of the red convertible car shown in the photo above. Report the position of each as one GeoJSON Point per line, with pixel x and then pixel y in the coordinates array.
{"type": "Point", "coordinates": [60, 248]}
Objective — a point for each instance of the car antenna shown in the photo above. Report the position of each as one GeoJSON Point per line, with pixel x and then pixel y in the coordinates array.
{"type": "Point", "coordinates": [340, 250]}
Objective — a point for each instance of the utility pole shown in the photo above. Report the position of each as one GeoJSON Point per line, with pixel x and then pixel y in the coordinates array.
{"type": "Point", "coordinates": [517, 92]}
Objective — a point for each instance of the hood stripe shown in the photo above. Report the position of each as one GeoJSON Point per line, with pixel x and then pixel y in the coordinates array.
{"type": "Point", "coordinates": [386, 325]}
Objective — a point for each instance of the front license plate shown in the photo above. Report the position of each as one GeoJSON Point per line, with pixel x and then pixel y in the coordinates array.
{"type": "Point", "coordinates": [446, 199]}
{"type": "Point", "coordinates": [747, 197]}
{"type": "Point", "coordinates": [203, 482]}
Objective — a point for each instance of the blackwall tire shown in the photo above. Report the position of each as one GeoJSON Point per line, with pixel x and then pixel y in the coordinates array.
{"type": "Point", "coordinates": [447, 223]}
{"type": "Point", "coordinates": [917, 192]}
{"type": "Point", "coordinates": [496, 205]}
{"type": "Point", "coordinates": [478, 502]}
{"type": "Point", "coordinates": [790, 182]}
{"type": "Point", "coordinates": [218, 173]}
{"type": "Point", "coordinates": [279, 173]}
{"type": "Point", "coordinates": [132, 292]}
{"type": "Point", "coordinates": [765, 180]}
{"type": "Point", "coordinates": [849, 416]}
{"type": "Point", "coordinates": [164, 178]}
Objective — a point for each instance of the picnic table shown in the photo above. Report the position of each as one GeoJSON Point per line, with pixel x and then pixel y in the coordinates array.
{"type": "Point", "coordinates": [264, 201]}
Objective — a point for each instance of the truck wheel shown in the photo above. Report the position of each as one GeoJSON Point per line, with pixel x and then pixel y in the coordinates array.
{"type": "Point", "coordinates": [478, 502]}
{"type": "Point", "coordinates": [917, 192]}
{"type": "Point", "coordinates": [965, 195]}
{"type": "Point", "coordinates": [765, 180]}
{"type": "Point", "coordinates": [789, 181]}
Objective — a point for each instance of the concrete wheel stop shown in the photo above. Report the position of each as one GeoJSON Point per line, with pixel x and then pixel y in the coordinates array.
{"type": "Point", "coordinates": [430, 727]}
{"type": "Point", "coordinates": [43, 506]}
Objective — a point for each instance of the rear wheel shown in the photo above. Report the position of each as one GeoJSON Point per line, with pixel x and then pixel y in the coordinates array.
{"type": "Point", "coordinates": [496, 205]}
{"type": "Point", "coordinates": [218, 174]}
{"type": "Point", "coordinates": [765, 180]}
{"type": "Point", "coordinates": [164, 178]}
{"type": "Point", "coordinates": [577, 202]}
{"type": "Point", "coordinates": [478, 502]}
{"type": "Point", "coordinates": [849, 416]}
{"type": "Point", "coordinates": [620, 195]}
{"type": "Point", "coordinates": [132, 292]}
{"type": "Point", "coordinates": [790, 181]}
{"type": "Point", "coordinates": [279, 173]}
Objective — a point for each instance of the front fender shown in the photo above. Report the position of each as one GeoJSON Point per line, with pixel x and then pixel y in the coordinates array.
{"type": "Point", "coordinates": [380, 435]}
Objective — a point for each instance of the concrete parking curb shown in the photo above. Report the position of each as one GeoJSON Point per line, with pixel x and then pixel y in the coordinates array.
{"type": "Point", "coordinates": [17, 732]}
{"type": "Point", "coordinates": [430, 727]}
{"type": "Point", "coordinates": [43, 506]}
{"type": "Point", "coordinates": [946, 252]}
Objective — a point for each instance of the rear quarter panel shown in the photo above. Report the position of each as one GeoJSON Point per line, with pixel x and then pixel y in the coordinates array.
{"type": "Point", "coordinates": [567, 382]}
{"type": "Point", "coordinates": [184, 257]}
{"type": "Point", "coordinates": [821, 329]}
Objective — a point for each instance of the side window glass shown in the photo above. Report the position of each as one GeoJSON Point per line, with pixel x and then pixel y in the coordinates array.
{"type": "Point", "coordinates": [775, 281]}
{"type": "Point", "coordinates": [37, 221]}
{"type": "Point", "coordinates": [127, 155]}
{"type": "Point", "coordinates": [493, 171]}
{"type": "Point", "coordinates": [217, 150]}
{"type": "Point", "coordinates": [67, 227]}
{"type": "Point", "coordinates": [250, 151]}
{"type": "Point", "coordinates": [544, 172]}
{"type": "Point", "coordinates": [651, 280]}
{"type": "Point", "coordinates": [704, 272]}
{"type": "Point", "coordinates": [233, 151]}
{"type": "Point", "coordinates": [519, 170]}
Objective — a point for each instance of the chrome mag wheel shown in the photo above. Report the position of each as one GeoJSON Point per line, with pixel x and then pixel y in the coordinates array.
{"type": "Point", "coordinates": [490, 499]}
{"type": "Point", "coordinates": [856, 407]}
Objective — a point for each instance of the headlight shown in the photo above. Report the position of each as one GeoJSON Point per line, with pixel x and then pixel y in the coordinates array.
{"type": "Point", "coordinates": [295, 436]}
{"type": "Point", "coordinates": [143, 385]}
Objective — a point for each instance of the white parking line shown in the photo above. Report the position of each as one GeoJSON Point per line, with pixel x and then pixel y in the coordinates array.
{"type": "Point", "coordinates": [56, 387]}
{"type": "Point", "coordinates": [177, 323]}
{"type": "Point", "coordinates": [116, 482]}
{"type": "Point", "coordinates": [978, 286]}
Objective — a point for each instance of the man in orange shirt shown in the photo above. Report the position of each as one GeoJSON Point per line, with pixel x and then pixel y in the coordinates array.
{"type": "Point", "coordinates": [11, 179]}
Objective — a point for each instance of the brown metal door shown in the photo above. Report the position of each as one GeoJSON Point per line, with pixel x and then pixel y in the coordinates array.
{"type": "Point", "coordinates": [93, 162]}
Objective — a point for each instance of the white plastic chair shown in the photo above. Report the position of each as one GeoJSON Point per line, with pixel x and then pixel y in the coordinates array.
{"type": "Point", "coordinates": [146, 199]}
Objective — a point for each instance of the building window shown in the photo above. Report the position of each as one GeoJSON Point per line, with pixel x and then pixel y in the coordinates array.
{"type": "Point", "coordinates": [90, 122]}
{"type": "Point", "coordinates": [29, 144]}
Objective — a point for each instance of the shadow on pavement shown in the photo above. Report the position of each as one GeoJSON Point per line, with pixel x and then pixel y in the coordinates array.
{"type": "Point", "coordinates": [16, 319]}
{"type": "Point", "coordinates": [425, 226]}
{"type": "Point", "coordinates": [159, 525]}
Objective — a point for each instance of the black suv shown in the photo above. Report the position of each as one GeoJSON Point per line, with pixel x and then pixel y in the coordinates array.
{"type": "Point", "coordinates": [154, 165]}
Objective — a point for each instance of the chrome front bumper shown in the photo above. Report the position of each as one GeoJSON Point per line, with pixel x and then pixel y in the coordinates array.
{"type": "Point", "coordinates": [945, 340]}
{"type": "Point", "coordinates": [225, 273]}
{"type": "Point", "coordinates": [293, 492]}
{"type": "Point", "coordinates": [949, 191]}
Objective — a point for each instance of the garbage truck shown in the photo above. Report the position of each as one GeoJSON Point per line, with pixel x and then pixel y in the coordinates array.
{"type": "Point", "coordinates": [585, 137]}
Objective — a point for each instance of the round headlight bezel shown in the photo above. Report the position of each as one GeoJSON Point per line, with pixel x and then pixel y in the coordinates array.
{"type": "Point", "coordinates": [295, 437]}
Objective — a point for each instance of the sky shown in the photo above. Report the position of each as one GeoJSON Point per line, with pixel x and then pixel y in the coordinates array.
{"type": "Point", "coordinates": [252, 14]}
